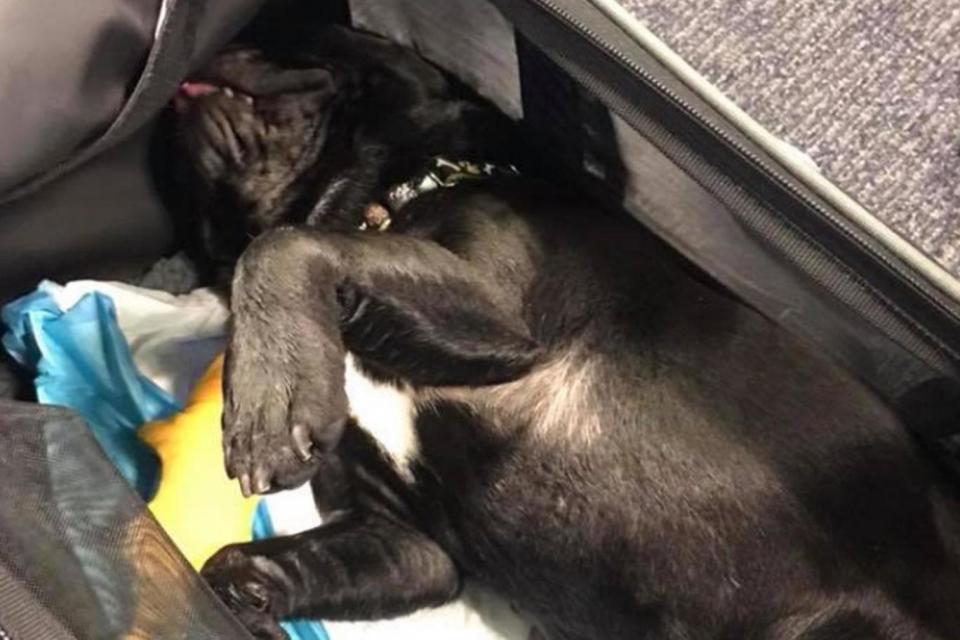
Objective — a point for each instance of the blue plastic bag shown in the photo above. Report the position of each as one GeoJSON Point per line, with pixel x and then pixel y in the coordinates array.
{"type": "Point", "coordinates": [82, 361]}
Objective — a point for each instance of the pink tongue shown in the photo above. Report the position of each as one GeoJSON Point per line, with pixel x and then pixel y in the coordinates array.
{"type": "Point", "coordinates": [195, 89]}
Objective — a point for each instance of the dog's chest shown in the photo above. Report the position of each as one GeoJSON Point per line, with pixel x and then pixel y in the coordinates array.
{"type": "Point", "coordinates": [387, 414]}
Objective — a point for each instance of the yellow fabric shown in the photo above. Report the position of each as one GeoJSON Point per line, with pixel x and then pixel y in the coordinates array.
{"type": "Point", "coordinates": [196, 503]}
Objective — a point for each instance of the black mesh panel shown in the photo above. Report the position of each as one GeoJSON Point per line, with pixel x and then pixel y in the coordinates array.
{"type": "Point", "coordinates": [80, 555]}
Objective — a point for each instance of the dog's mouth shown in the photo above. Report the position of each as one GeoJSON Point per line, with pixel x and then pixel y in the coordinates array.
{"type": "Point", "coordinates": [193, 90]}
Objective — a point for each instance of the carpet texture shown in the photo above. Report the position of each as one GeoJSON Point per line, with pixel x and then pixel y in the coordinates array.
{"type": "Point", "coordinates": [869, 89]}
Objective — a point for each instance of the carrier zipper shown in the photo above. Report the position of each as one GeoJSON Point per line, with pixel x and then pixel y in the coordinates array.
{"type": "Point", "coordinates": [763, 166]}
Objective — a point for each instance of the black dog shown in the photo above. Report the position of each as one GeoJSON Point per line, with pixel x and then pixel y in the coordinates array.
{"type": "Point", "coordinates": [602, 438]}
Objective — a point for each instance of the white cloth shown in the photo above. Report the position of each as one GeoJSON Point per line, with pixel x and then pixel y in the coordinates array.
{"type": "Point", "coordinates": [172, 338]}
{"type": "Point", "coordinates": [476, 615]}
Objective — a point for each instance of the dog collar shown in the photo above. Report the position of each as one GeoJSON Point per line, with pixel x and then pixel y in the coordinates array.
{"type": "Point", "coordinates": [440, 173]}
{"type": "Point", "coordinates": [443, 173]}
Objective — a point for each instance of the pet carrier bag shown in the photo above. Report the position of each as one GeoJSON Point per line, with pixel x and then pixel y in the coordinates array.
{"type": "Point", "coordinates": [603, 102]}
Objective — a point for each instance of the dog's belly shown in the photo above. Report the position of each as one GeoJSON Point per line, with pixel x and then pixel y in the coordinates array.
{"type": "Point", "coordinates": [566, 529]}
{"type": "Point", "coordinates": [471, 498]}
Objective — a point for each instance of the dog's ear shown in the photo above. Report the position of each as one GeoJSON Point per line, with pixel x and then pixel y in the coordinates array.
{"type": "Point", "coordinates": [313, 76]}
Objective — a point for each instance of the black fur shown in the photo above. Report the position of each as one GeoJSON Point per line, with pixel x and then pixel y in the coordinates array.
{"type": "Point", "coordinates": [608, 442]}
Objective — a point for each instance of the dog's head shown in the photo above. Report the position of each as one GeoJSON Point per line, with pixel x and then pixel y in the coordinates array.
{"type": "Point", "coordinates": [249, 127]}
{"type": "Point", "coordinates": [308, 129]}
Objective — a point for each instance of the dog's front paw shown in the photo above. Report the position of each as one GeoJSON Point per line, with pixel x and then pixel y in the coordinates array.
{"type": "Point", "coordinates": [253, 587]}
{"type": "Point", "coordinates": [283, 399]}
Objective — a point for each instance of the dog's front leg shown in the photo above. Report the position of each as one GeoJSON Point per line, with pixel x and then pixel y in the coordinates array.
{"type": "Point", "coordinates": [407, 308]}
{"type": "Point", "coordinates": [365, 567]}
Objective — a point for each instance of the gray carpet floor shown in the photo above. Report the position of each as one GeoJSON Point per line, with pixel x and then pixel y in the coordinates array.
{"type": "Point", "coordinates": [869, 89]}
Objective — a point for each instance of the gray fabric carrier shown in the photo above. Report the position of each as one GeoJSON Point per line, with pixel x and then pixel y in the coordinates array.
{"type": "Point", "coordinates": [595, 105]}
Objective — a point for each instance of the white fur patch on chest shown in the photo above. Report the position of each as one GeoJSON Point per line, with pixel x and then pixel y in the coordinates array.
{"type": "Point", "coordinates": [386, 413]}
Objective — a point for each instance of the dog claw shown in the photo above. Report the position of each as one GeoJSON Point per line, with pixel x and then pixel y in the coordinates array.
{"type": "Point", "coordinates": [301, 438]}
{"type": "Point", "coordinates": [227, 456]}
{"type": "Point", "coordinates": [245, 485]}
{"type": "Point", "coordinates": [261, 481]}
